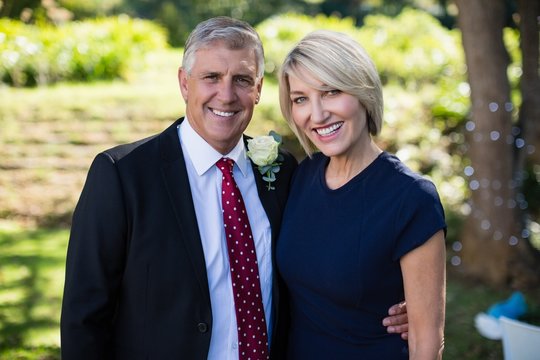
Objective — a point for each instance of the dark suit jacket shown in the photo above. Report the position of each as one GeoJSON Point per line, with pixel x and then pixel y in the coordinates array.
{"type": "Point", "coordinates": [136, 284]}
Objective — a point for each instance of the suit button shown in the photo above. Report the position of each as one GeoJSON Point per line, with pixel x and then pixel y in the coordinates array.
{"type": "Point", "coordinates": [202, 327]}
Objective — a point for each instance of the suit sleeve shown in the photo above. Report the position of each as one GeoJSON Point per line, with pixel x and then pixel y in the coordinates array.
{"type": "Point", "coordinates": [94, 265]}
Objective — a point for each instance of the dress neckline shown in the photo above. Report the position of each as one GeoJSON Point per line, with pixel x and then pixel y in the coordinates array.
{"type": "Point", "coordinates": [355, 179]}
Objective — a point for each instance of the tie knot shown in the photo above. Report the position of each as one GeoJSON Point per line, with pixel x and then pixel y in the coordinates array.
{"type": "Point", "coordinates": [225, 165]}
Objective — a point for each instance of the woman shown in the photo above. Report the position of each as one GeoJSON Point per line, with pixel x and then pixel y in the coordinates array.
{"type": "Point", "coordinates": [360, 231]}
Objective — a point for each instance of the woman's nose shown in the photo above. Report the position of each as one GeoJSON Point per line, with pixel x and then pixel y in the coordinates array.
{"type": "Point", "coordinates": [318, 112]}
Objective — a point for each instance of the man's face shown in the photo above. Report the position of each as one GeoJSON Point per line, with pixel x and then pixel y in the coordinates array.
{"type": "Point", "coordinates": [220, 94]}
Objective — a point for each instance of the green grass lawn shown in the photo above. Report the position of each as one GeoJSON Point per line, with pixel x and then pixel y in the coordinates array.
{"type": "Point", "coordinates": [31, 282]}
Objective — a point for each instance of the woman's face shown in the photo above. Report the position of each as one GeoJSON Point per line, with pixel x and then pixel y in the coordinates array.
{"type": "Point", "coordinates": [334, 121]}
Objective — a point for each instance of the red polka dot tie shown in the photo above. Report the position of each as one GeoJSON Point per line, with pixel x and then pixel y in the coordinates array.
{"type": "Point", "coordinates": [251, 324]}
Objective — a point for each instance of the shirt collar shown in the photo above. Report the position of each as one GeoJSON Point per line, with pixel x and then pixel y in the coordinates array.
{"type": "Point", "coordinates": [204, 156]}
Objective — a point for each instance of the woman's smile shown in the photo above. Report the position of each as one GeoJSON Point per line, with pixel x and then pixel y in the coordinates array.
{"type": "Point", "coordinates": [328, 130]}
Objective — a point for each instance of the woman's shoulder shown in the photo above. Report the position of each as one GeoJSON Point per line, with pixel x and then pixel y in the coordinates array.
{"type": "Point", "coordinates": [397, 175]}
{"type": "Point", "coordinates": [402, 172]}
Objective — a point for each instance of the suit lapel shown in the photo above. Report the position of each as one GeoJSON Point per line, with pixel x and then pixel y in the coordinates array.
{"type": "Point", "coordinates": [176, 181]}
{"type": "Point", "coordinates": [269, 201]}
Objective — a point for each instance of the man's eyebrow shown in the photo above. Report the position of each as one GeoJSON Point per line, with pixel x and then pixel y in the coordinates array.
{"type": "Point", "coordinates": [245, 73]}
{"type": "Point", "coordinates": [209, 72]}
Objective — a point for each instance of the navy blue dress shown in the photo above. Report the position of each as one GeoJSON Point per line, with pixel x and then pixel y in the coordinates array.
{"type": "Point", "coordinates": [339, 251]}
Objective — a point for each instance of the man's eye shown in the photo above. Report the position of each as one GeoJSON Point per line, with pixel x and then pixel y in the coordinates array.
{"type": "Point", "coordinates": [244, 81]}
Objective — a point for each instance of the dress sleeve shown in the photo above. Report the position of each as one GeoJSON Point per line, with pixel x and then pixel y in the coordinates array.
{"type": "Point", "coordinates": [419, 217]}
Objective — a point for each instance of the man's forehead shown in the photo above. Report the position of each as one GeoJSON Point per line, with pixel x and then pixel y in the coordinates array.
{"type": "Point", "coordinates": [219, 57]}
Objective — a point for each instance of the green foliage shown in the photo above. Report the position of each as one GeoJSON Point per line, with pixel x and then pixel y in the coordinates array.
{"type": "Point", "coordinates": [511, 42]}
{"type": "Point", "coordinates": [14, 8]}
{"type": "Point", "coordinates": [412, 48]}
{"type": "Point", "coordinates": [280, 33]}
{"type": "Point", "coordinates": [85, 8]}
{"type": "Point", "coordinates": [78, 51]}
{"type": "Point", "coordinates": [180, 17]}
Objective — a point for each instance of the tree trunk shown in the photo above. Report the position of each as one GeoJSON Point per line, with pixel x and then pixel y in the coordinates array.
{"type": "Point", "coordinates": [529, 114]}
{"type": "Point", "coordinates": [491, 232]}
{"type": "Point", "coordinates": [526, 265]}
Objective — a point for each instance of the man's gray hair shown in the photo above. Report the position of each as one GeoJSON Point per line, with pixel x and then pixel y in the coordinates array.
{"type": "Point", "coordinates": [235, 34]}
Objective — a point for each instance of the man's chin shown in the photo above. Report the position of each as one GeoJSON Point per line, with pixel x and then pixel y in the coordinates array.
{"type": "Point", "coordinates": [223, 141]}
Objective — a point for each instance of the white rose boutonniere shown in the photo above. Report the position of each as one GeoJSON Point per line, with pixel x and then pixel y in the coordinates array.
{"type": "Point", "coordinates": [263, 151]}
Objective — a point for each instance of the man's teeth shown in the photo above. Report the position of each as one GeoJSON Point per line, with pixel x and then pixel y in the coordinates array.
{"type": "Point", "coordinates": [223, 113]}
{"type": "Point", "coordinates": [328, 130]}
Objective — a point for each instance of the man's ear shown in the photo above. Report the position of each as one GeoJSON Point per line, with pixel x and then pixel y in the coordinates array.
{"type": "Point", "coordinates": [259, 89]}
{"type": "Point", "coordinates": [183, 82]}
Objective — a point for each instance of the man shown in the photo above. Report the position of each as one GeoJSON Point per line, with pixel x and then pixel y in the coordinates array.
{"type": "Point", "coordinates": [148, 272]}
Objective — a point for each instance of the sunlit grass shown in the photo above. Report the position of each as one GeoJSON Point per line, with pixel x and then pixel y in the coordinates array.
{"type": "Point", "coordinates": [154, 92]}
{"type": "Point", "coordinates": [31, 282]}
{"type": "Point", "coordinates": [31, 353]}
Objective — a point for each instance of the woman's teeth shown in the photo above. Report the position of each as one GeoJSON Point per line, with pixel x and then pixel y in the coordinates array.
{"type": "Point", "coordinates": [329, 130]}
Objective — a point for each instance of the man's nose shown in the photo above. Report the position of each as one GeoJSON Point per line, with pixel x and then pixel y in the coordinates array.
{"type": "Point", "coordinates": [227, 92]}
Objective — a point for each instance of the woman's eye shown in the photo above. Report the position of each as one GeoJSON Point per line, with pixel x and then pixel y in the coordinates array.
{"type": "Point", "coordinates": [299, 100]}
{"type": "Point", "coordinates": [333, 92]}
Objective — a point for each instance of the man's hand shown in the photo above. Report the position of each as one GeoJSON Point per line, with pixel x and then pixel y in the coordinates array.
{"type": "Point", "coordinates": [398, 321]}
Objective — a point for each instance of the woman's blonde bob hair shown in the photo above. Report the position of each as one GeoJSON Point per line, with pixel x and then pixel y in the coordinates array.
{"type": "Point", "coordinates": [340, 63]}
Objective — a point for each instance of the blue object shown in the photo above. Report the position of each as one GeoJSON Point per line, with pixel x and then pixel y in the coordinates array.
{"type": "Point", "coordinates": [514, 307]}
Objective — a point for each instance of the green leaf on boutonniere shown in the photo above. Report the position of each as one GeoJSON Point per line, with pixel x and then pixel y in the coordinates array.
{"type": "Point", "coordinates": [264, 152]}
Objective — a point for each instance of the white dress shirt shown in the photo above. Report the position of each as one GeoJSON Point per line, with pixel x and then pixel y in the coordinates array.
{"type": "Point", "coordinates": [205, 183]}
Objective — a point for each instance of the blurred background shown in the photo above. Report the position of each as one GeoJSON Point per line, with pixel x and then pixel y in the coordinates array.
{"type": "Point", "coordinates": [462, 105]}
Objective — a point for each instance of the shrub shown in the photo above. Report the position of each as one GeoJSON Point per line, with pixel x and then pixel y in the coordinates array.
{"type": "Point", "coordinates": [409, 49]}
{"type": "Point", "coordinates": [280, 33]}
{"type": "Point", "coordinates": [77, 51]}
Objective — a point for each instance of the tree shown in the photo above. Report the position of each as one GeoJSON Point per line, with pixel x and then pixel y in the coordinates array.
{"type": "Point", "coordinates": [180, 17]}
{"type": "Point", "coordinates": [495, 246]}
{"type": "Point", "coordinates": [14, 8]}
{"type": "Point", "coordinates": [529, 118]}
{"type": "Point", "coordinates": [358, 9]}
